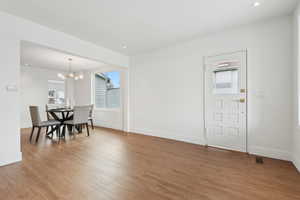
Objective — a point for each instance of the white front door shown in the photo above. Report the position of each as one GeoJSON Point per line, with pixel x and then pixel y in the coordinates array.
{"type": "Point", "coordinates": [226, 101]}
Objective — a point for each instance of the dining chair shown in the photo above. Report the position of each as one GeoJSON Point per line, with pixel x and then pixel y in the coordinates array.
{"type": "Point", "coordinates": [49, 117]}
{"type": "Point", "coordinates": [91, 116]}
{"type": "Point", "coordinates": [80, 117]}
{"type": "Point", "coordinates": [38, 123]}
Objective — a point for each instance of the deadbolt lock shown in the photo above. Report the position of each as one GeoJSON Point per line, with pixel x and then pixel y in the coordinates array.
{"type": "Point", "coordinates": [242, 100]}
{"type": "Point", "coordinates": [243, 90]}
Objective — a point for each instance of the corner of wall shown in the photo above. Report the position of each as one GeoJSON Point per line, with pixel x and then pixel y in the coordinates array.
{"type": "Point", "coordinates": [270, 153]}
{"type": "Point", "coordinates": [10, 158]}
{"type": "Point", "coordinates": [296, 163]}
{"type": "Point", "coordinates": [296, 131]}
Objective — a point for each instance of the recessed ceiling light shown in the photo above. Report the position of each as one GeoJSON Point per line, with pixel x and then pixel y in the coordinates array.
{"type": "Point", "coordinates": [124, 47]}
{"type": "Point", "coordinates": [256, 4]}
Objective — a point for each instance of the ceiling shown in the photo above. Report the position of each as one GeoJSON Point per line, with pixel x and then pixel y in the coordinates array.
{"type": "Point", "coordinates": [142, 25]}
{"type": "Point", "coordinates": [34, 55]}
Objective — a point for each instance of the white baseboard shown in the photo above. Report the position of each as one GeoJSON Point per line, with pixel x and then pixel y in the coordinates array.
{"type": "Point", "coordinates": [261, 151]}
{"type": "Point", "coordinates": [270, 153]}
{"type": "Point", "coordinates": [167, 135]}
{"type": "Point", "coordinates": [11, 158]}
{"type": "Point", "coordinates": [106, 125]}
{"type": "Point", "coordinates": [26, 127]}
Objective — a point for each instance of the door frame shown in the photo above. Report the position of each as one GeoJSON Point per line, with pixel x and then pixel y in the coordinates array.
{"type": "Point", "coordinates": [204, 91]}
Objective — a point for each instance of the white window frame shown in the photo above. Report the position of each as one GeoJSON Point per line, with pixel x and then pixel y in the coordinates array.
{"type": "Point", "coordinates": [60, 82]}
{"type": "Point", "coordinates": [93, 91]}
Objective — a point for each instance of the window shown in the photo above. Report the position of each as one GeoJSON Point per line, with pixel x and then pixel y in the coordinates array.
{"type": "Point", "coordinates": [107, 90]}
{"type": "Point", "coordinates": [226, 81]}
{"type": "Point", "coordinates": [56, 92]}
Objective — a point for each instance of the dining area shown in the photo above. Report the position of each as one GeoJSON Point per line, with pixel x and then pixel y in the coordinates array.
{"type": "Point", "coordinates": [60, 121]}
{"type": "Point", "coordinates": [64, 95]}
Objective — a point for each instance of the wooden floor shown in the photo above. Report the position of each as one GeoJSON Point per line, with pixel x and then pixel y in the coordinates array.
{"type": "Point", "coordinates": [109, 165]}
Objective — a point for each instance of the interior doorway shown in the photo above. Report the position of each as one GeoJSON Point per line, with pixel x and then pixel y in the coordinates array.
{"type": "Point", "coordinates": [59, 79]}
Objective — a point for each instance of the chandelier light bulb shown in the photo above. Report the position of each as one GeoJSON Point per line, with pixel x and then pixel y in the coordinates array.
{"type": "Point", "coordinates": [60, 75]}
{"type": "Point", "coordinates": [71, 75]}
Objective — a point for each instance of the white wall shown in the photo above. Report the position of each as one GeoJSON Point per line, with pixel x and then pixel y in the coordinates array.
{"type": "Point", "coordinates": [296, 126]}
{"type": "Point", "coordinates": [109, 118]}
{"type": "Point", "coordinates": [34, 91]}
{"type": "Point", "coordinates": [14, 30]}
{"type": "Point", "coordinates": [166, 87]}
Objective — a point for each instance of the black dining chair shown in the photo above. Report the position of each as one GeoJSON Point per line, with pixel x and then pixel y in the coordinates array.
{"type": "Point", "coordinates": [38, 123]}
{"type": "Point", "coordinates": [80, 118]}
{"type": "Point", "coordinates": [49, 118]}
{"type": "Point", "coordinates": [91, 116]}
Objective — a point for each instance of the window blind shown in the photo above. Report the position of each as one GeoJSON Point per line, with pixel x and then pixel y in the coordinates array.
{"type": "Point", "coordinates": [100, 92]}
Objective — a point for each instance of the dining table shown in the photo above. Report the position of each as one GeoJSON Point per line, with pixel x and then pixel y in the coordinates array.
{"type": "Point", "coordinates": [62, 115]}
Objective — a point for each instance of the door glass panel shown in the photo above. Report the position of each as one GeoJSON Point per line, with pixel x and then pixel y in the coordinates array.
{"type": "Point", "coordinates": [226, 81]}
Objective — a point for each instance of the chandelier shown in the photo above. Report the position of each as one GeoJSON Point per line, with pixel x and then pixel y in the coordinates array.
{"type": "Point", "coordinates": [70, 74]}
